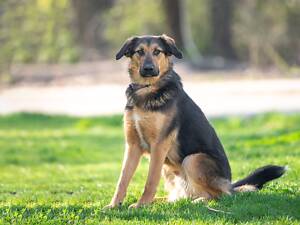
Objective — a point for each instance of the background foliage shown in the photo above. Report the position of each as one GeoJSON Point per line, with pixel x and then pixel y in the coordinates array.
{"type": "Point", "coordinates": [263, 32]}
{"type": "Point", "coordinates": [267, 32]}
{"type": "Point", "coordinates": [37, 31]}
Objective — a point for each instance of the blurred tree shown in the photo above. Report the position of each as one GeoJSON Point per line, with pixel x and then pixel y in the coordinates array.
{"type": "Point", "coordinates": [179, 28]}
{"type": "Point", "coordinates": [293, 29]}
{"type": "Point", "coordinates": [173, 11]}
{"type": "Point", "coordinates": [88, 24]}
{"type": "Point", "coordinates": [221, 22]}
{"type": "Point", "coordinates": [132, 17]}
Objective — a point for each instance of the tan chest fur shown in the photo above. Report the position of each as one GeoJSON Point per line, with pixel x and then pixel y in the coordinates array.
{"type": "Point", "coordinates": [149, 129]}
{"type": "Point", "coordinates": [149, 126]}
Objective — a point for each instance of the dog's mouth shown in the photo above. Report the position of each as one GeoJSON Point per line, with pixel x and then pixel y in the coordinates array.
{"type": "Point", "coordinates": [149, 73]}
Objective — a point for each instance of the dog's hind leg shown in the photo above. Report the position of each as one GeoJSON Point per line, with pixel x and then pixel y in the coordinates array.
{"type": "Point", "coordinates": [203, 177]}
{"type": "Point", "coordinates": [175, 183]}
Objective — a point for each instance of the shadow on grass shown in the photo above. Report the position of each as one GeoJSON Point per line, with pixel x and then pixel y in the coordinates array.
{"type": "Point", "coordinates": [242, 208]}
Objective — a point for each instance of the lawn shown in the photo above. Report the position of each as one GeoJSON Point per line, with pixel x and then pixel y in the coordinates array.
{"type": "Point", "coordinates": [58, 170]}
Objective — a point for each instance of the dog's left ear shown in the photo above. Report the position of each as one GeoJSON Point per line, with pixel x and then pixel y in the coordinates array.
{"type": "Point", "coordinates": [127, 48]}
{"type": "Point", "coordinates": [171, 47]}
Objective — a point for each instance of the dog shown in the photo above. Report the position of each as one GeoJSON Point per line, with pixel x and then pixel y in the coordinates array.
{"type": "Point", "coordinates": [163, 122]}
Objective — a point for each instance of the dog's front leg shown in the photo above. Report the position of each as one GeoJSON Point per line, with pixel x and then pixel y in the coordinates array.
{"type": "Point", "coordinates": [157, 158]}
{"type": "Point", "coordinates": [130, 162]}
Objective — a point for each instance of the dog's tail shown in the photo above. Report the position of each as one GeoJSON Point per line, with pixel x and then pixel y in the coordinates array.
{"type": "Point", "coordinates": [258, 178]}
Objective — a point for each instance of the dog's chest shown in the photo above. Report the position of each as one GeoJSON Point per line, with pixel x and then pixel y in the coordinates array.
{"type": "Point", "coordinates": [150, 129]}
{"type": "Point", "coordinates": [138, 124]}
{"type": "Point", "coordinates": [148, 126]}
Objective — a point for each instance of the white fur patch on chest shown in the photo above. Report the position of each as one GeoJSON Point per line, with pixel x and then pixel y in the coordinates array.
{"type": "Point", "coordinates": [136, 118]}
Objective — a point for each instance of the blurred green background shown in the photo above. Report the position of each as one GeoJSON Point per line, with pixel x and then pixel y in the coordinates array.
{"type": "Point", "coordinates": [256, 32]}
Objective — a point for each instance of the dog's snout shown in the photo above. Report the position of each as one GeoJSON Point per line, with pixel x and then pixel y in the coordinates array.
{"type": "Point", "coordinates": [149, 70]}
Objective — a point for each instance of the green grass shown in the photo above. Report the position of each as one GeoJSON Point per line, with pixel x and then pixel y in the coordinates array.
{"type": "Point", "coordinates": [58, 170]}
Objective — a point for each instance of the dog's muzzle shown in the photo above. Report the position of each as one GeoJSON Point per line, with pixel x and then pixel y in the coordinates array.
{"type": "Point", "coordinates": [149, 70]}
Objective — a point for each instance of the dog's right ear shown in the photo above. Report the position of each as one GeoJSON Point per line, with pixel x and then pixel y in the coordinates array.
{"type": "Point", "coordinates": [171, 47]}
{"type": "Point", "coordinates": [127, 48]}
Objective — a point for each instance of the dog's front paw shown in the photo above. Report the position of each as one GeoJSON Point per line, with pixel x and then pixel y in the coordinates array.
{"type": "Point", "coordinates": [111, 206]}
{"type": "Point", "coordinates": [137, 205]}
{"type": "Point", "coordinates": [134, 206]}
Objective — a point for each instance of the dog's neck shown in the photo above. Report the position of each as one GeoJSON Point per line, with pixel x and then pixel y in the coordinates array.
{"type": "Point", "coordinates": [157, 96]}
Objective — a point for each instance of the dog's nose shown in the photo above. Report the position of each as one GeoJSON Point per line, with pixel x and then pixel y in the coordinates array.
{"type": "Point", "coordinates": [149, 70]}
{"type": "Point", "coordinates": [148, 67]}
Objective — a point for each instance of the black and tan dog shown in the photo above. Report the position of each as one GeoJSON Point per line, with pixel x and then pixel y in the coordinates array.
{"type": "Point", "coordinates": [161, 120]}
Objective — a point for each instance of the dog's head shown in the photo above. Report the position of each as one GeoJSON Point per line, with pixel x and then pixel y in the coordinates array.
{"type": "Point", "coordinates": [149, 57]}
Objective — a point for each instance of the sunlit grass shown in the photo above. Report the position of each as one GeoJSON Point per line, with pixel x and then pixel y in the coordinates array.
{"type": "Point", "coordinates": [58, 170]}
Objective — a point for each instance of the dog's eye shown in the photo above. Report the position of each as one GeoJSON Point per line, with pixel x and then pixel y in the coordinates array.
{"type": "Point", "coordinates": [156, 52]}
{"type": "Point", "coordinates": [140, 52]}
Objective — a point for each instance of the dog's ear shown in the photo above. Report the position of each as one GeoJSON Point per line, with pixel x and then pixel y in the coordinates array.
{"type": "Point", "coordinates": [171, 48]}
{"type": "Point", "coordinates": [127, 48]}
